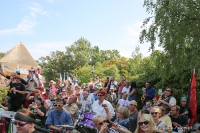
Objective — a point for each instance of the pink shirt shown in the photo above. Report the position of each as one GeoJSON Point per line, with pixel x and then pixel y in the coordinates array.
{"type": "Point", "coordinates": [53, 90]}
{"type": "Point", "coordinates": [121, 86]}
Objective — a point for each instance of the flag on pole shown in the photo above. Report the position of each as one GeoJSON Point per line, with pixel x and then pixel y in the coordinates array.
{"type": "Point", "coordinates": [60, 77]}
{"type": "Point", "coordinates": [64, 78]}
{"type": "Point", "coordinates": [193, 99]}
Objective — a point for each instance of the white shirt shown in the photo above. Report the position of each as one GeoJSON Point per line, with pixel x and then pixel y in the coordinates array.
{"type": "Point", "coordinates": [98, 109]}
{"type": "Point", "coordinates": [125, 89]}
{"type": "Point", "coordinates": [123, 102]}
{"type": "Point", "coordinates": [112, 84]}
{"type": "Point", "coordinates": [172, 101]}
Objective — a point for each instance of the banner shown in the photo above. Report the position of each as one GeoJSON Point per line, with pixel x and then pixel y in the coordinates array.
{"type": "Point", "coordinates": [193, 99]}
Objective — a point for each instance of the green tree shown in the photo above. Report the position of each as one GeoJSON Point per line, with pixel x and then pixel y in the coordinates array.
{"type": "Point", "coordinates": [175, 23]}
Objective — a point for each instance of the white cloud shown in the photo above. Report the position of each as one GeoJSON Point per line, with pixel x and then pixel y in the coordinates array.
{"type": "Point", "coordinates": [45, 48]}
{"type": "Point", "coordinates": [28, 22]}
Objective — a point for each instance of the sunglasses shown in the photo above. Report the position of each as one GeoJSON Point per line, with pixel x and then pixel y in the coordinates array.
{"type": "Point", "coordinates": [19, 124]}
{"type": "Point", "coordinates": [57, 105]}
{"type": "Point", "coordinates": [141, 123]}
{"type": "Point", "coordinates": [163, 110]}
{"type": "Point", "coordinates": [101, 123]}
{"type": "Point", "coordinates": [152, 113]}
{"type": "Point", "coordinates": [100, 95]}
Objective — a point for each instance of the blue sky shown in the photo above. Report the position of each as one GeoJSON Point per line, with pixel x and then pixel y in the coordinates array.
{"type": "Point", "coordinates": [44, 26]}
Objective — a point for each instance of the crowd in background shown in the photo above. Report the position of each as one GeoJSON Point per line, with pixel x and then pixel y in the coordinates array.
{"type": "Point", "coordinates": [111, 103]}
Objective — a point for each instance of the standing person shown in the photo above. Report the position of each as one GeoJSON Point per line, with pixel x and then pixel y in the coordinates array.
{"type": "Point", "coordinates": [123, 102]}
{"type": "Point", "coordinates": [16, 94]}
{"type": "Point", "coordinates": [145, 124]}
{"type": "Point", "coordinates": [121, 85]}
{"type": "Point", "coordinates": [167, 98]}
{"type": "Point", "coordinates": [25, 122]}
{"type": "Point", "coordinates": [132, 91]}
{"type": "Point", "coordinates": [58, 116]}
{"type": "Point", "coordinates": [133, 115]}
{"type": "Point", "coordinates": [90, 82]}
{"type": "Point", "coordinates": [113, 97]}
{"type": "Point", "coordinates": [112, 84]}
{"type": "Point", "coordinates": [102, 106]}
{"type": "Point", "coordinates": [149, 94]}
{"type": "Point", "coordinates": [126, 88]}
{"type": "Point", "coordinates": [178, 121]}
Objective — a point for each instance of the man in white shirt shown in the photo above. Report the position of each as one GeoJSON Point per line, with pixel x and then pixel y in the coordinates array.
{"type": "Point", "coordinates": [123, 101]}
{"type": "Point", "coordinates": [102, 106]}
{"type": "Point", "coordinates": [126, 88]}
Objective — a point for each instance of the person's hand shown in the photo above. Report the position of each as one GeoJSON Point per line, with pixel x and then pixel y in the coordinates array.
{"type": "Point", "coordinates": [104, 128]}
{"type": "Point", "coordinates": [33, 105]}
{"type": "Point", "coordinates": [115, 126]}
{"type": "Point", "coordinates": [105, 107]}
{"type": "Point", "coordinates": [12, 89]}
{"type": "Point", "coordinates": [175, 124]}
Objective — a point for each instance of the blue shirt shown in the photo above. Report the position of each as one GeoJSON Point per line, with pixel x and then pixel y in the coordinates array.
{"type": "Point", "coordinates": [59, 118]}
{"type": "Point", "coordinates": [123, 123]}
{"type": "Point", "coordinates": [151, 93]}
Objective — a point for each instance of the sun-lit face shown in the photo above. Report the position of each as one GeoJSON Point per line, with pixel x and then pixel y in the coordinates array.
{"type": "Point", "coordinates": [144, 124]}
{"type": "Point", "coordinates": [155, 114]}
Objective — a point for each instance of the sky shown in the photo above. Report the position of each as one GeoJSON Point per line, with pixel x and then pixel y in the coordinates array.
{"type": "Point", "coordinates": [44, 26]}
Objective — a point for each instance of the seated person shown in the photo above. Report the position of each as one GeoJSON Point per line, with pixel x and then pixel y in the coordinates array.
{"type": "Point", "coordinates": [58, 116]}
{"type": "Point", "coordinates": [104, 125]}
{"type": "Point", "coordinates": [39, 111]}
{"type": "Point", "coordinates": [122, 115]}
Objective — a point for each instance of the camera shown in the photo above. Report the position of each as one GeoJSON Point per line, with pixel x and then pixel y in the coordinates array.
{"type": "Point", "coordinates": [104, 105]}
{"type": "Point", "coordinates": [109, 124]}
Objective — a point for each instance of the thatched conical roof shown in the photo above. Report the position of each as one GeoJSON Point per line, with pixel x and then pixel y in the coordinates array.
{"type": "Point", "coordinates": [19, 54]}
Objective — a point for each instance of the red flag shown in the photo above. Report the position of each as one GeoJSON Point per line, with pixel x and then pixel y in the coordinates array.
{"type": "Point", "coordinates": [193, 99]}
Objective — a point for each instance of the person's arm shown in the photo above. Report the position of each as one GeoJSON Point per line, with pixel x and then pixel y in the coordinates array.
{"type": "Point", "coordinates": [55, 128]}
{"type": "Point", "coordinates": [39, 112]}
{"type": "Point", "coordinates": [3, 107]}
{"type": "Point", "coordinates": [132, 92]}
{"type": "Point", "coordinates": [108, 114]}
{"type": "Point", "coordinates": [116, 127]}
{"type": "Point", "coordinates": [2, 74]}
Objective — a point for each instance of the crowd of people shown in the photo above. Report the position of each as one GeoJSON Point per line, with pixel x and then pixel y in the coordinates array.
{"type": "Point", "coordinates": [99, 105]}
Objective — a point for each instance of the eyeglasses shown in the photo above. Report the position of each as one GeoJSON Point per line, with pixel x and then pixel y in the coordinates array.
{"type": "Point", "coordinates": [57, 105]}
{"type": "Point", "coordinates": [152, 113]}
{"type": "Point", "coordinates": [101, 123]}
{"type": "Point", "coordinates": [141, 123]}
{"type": "Point", "coordinates": [19, 124]}
{"type": "Point", "coordinates": [168, 90]}
{"type": "Point", "coordinates": [100, 95]}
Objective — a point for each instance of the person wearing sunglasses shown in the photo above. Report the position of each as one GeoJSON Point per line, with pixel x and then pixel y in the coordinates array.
{"type": "Point", "coordinates": [145, 124]}
{"type": "Point", "coordinates": [105, 126]}
{"type": "Point", "coordinates": [25, 122]}
{"type": "Point", "coordinates": [161, 126]}
{"type": "Point", "coordinates": [59, 116]}
{"type": "Point", "coordinates": [102, 106]}
{"type": "Point", "coordinates": [167, 98]}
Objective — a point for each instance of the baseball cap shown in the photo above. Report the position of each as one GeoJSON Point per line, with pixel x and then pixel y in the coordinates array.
{"type": "Point", "coordinates": [47, 89]}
